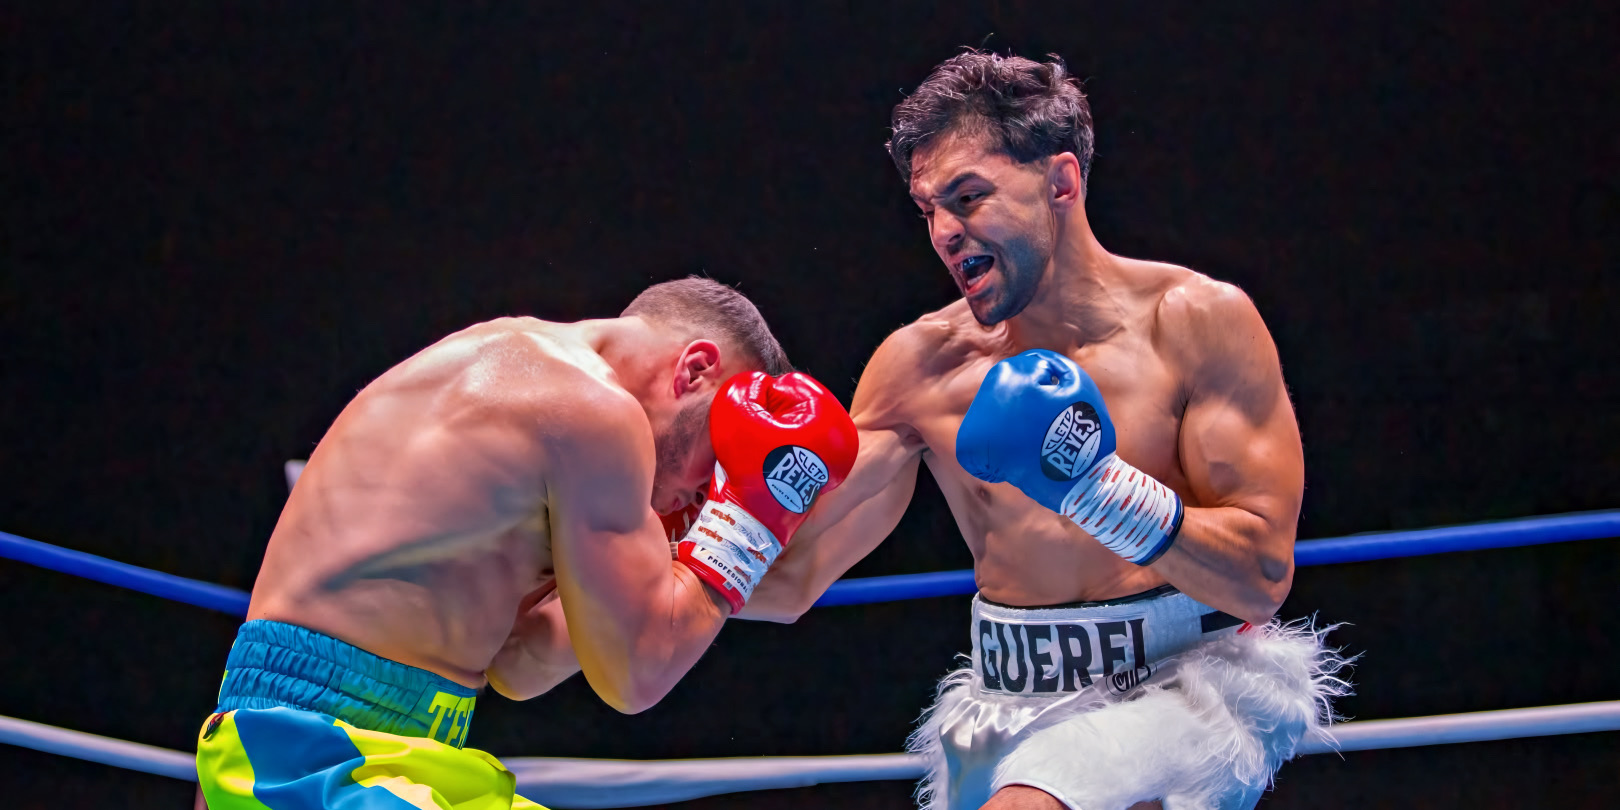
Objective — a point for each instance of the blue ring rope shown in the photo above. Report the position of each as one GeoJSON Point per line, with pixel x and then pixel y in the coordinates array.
{"type": "Point", "coordinates": [124, 575]}
{"type": "Point", "coordinates": [1355, 548]}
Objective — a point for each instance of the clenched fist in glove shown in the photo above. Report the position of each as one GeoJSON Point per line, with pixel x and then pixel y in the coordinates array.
{"type": "Point", "coordinates": [779, 442]}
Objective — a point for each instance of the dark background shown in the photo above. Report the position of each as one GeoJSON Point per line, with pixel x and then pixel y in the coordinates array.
{"type": "Point", "coordinates": [220, 222]}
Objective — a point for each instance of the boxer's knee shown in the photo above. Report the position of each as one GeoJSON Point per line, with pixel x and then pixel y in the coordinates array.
{"type": "Point", "coordinates": [1023, 797]}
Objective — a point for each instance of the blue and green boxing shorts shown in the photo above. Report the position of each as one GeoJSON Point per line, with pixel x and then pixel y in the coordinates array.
{"type": "Point", "coordinates": [307, 721]}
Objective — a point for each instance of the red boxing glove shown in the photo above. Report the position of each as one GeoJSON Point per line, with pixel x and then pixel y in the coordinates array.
{"type": "Point", "coordinates": [778, 444]}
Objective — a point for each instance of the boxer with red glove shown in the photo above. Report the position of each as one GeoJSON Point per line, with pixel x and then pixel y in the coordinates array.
{"type": "Point", "coordinates": [779, 443]}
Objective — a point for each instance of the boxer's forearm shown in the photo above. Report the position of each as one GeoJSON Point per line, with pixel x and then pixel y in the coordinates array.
{"type": "Point", "coordinates": [632, 658]}
{"type": "Point", "coordinates": [823, 550]}
{"type": "Point", "coordinates": [782, 596]}
{"type": "Point", "coordinates": [1233, 560]}
{"type": "Point", "coordinates": [518, 677]}
{"type": "Point", "coordinates": [670, 649]}
{"type": "Point", "coordinates": [537, 657]}
{"type": "Point", "coordinates": [810, 565]}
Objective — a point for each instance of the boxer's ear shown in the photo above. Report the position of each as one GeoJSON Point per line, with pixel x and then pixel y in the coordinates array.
{"type": "Point", "coordinates": [1063, 178]}
{"type": "Point", "coordinates": [698, 367]}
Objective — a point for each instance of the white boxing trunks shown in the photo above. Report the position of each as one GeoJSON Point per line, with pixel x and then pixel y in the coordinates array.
{"type": "Point", "coordinates": [1105, 704]}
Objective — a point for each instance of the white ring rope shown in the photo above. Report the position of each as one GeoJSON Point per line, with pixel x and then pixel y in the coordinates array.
{"type": "Point", "coordinates": [599, 783]}
{"type": "Point", "coordinates": [581, 784]}
{"type": "Point", "coordinates": [96, 748]}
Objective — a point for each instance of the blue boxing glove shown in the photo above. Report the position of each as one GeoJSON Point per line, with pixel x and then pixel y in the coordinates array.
{"type": "Point", "coordinates": [1040, 424]}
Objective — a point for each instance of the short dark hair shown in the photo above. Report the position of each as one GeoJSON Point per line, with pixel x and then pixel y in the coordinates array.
{"type": "Point", "coordinates": [710, 309]}
{"type": "Point", "coordinates": [1030, 110]}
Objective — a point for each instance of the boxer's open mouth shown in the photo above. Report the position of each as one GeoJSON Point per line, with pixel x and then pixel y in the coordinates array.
{"type": "Point", "coordinates": [973, 270]}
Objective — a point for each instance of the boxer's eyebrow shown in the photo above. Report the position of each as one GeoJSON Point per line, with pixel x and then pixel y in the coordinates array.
{"type": "Point", "coordinates": [950, 188]}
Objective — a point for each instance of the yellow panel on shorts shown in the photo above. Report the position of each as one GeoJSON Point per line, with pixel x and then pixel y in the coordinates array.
{"type": "Point", "coordinates": [431, 775]}
{"type": "Point", "coordinates": [223, 769]}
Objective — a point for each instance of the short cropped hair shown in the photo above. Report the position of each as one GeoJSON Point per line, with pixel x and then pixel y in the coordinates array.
{"type": "Point", "coordinates": [707, 308]}
{"type": "Point", "coordinates": [1029, 110]}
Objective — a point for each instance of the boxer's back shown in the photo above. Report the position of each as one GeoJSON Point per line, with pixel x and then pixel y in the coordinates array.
{"type": "Point", "coordinates": [420, 522]}
{"type": "Point", "coordinates": [1025, 554]}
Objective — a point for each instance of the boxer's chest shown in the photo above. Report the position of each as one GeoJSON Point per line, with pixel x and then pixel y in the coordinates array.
{"type": "Point", "coordinates": [1144, 398]}
{"type": "Point", "coordinates": [1018, 541]}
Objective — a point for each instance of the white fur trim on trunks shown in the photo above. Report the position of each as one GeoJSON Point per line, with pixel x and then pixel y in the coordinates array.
{"type": "Point", "coordinates": [1219, 714]}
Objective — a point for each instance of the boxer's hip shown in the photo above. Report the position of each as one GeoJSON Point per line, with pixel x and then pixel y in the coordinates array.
{"type": "Point", "coordinates": [273, 664]}
{"type": "Point", "coordinates": [1114, 645]}
{"type": "Point", "coordinates": [307, 721]}
{"type": "Point", "coordinates": [1150, 696]}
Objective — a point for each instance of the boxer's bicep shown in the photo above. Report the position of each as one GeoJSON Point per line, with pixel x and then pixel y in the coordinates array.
{"type": "Point", "coordinates": [891, 391]}
{"type": "Point", "coordinates": [1239, 441]}
{"type": "Point", "coordinates": [1231, 460]}
{"type": "Point", "coordinates": [636, 619]}
{"type": "Point", "coordinates": [1241, 459]}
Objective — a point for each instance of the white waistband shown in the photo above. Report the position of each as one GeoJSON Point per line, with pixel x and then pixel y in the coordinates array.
{"type": "Point", "coordinates": [1049, 651]}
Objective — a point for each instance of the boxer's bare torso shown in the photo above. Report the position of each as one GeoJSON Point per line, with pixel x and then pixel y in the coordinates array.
{"type": "Point", "coordinates": [1185, 364]}
{"type": "Point", "coordinates": [1178, 345]}
{"type": "Point", "coordinates": [421, 524]}
{"type": "Point", "coordinates": [1024, 554]}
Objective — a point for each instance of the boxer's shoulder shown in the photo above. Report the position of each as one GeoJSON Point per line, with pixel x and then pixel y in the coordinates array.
{"type": "Point", "coordinates": [942, 342]}
{"type": "Point", "coordinates": [582, 409]}
{"type": "Point", "coordinates": [527, 340]}
{"type": "Point", "coordinates": [536, 378]}
{"type": "Point", "coordinates": [1208, 326]}
{"type": "Point", "coordinates": [915, 359]}
{"type": "Point", "coordinates": [518, 364]}
{"type": "Point", "coordinates": [1195, 300]}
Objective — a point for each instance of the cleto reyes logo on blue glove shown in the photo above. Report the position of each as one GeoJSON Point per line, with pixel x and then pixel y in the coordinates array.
{"type": "Point", "coordinates": [1037, 422]}
{"type": "Point", "coordinates": [1071, 442]}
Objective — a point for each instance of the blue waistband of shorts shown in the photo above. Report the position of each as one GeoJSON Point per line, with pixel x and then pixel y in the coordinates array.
{"type": "Point", "coordinates": [273, 664]}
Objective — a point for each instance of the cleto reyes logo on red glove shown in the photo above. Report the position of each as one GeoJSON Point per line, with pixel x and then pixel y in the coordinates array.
{"type": "Point", "coordinates": [779, 442]}
{"type": "Point", "coordinates": [795, 477]}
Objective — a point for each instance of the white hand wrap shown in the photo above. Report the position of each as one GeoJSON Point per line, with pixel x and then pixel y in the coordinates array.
{"type": "Point", "coordinates": [1128, 511]}
{"type": "Point", "coordinates": [731, 542]}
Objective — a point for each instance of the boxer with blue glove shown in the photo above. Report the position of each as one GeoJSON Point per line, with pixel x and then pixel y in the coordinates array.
{"type": "Point", "coordinates": [1040, 424]}
{"type": "Point", "coordinates": [1117, 447]}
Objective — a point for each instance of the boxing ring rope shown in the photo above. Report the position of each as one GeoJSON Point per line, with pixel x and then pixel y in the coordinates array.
{"type": "Point", "coordinates": [866, 590]}
{"type": "Point", "coordinates": [587, 783]}
{"type": "Point", "coordinates": [580, 784]}
{"type": "Point", "coordinates": [1354, 548]}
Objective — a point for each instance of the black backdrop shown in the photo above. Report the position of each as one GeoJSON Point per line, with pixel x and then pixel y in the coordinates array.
{"type": "Point", "coordinates": [221, 221]}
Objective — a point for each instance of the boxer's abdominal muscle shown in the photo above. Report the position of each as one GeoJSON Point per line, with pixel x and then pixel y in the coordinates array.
{"type": "Point", "coordinates": [420, 524]}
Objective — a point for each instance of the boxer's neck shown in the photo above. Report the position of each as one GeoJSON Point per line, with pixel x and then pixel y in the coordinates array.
{"type": "Point", "coordinates": [1080, 299]}
{"type": "Point", "coordinates": [639, 353]}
